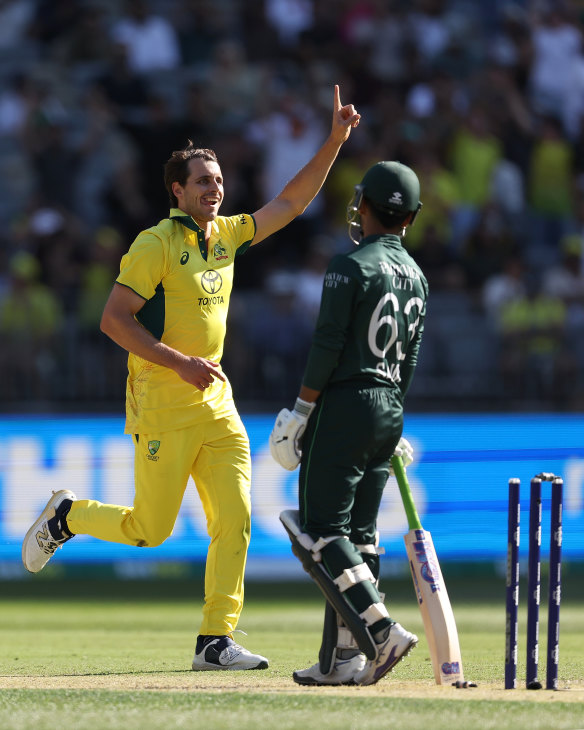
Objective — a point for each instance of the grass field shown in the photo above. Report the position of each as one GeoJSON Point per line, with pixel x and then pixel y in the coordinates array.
{"type": "Point", "coordinates": [91, 655]}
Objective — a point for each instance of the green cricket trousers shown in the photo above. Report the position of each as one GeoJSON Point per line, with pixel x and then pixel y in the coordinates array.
{"type": "Point", "coordinates": [346, 451]}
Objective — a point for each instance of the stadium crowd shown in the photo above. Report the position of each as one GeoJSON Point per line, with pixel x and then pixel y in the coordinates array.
{"type": "Point", "coordinates": [485, 100]}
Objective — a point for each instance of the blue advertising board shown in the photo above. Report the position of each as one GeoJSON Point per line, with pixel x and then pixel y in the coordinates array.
{"type": "Point", "coordinates": [459, 480]}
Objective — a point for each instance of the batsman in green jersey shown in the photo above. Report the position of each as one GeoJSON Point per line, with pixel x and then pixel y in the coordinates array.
{"type": "Point", "coordinates": [347, 423]}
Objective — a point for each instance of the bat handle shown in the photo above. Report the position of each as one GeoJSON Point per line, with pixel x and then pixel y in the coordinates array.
{"type": "Point", "coordinates": [406, 493]}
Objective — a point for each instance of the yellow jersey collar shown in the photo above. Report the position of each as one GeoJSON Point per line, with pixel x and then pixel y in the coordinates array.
{"type": "Point", "coordinates": [176, 214]}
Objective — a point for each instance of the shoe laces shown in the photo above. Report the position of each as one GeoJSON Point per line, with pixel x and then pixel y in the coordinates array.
{"type": "Point", "coordinates": [233, 649]}
{"type": "Point", "coordinates": [50, 547]}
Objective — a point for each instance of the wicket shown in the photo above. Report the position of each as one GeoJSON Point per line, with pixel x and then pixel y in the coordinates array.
{"type": "Point", "coordinates": [533, 583]}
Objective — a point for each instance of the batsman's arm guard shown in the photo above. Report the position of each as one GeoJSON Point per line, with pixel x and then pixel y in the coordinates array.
{"type": "Point", "coordinates": [307, 551]}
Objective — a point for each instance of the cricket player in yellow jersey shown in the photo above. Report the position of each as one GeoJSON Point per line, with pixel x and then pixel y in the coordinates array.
{"type": "Point", "coordinates": [168, 308]}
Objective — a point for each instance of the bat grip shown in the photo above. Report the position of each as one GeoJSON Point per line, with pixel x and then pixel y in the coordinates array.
{"type": "Point", "coordinates": [406, 494]}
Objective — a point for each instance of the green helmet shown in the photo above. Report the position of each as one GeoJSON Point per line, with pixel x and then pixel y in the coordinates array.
{"type": "Point", "coordinates": [390, 187]}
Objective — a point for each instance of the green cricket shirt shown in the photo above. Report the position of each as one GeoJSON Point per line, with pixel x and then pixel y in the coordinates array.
{"type": "Point", "coordinates": [371, 317]}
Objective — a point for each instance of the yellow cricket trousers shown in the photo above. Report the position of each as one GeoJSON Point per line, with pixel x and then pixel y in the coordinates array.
{"type": "Point", "coordinates": [217, 456]}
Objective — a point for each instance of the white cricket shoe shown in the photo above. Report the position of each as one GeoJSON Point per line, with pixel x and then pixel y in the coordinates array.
{"type": "Point", "coordinates": [48, 532]}
{"type": "Point", "coordinates": [221, 652]}
{"type": "Point", "coordinates": [395, 647]}
{"type": "Point", "coordinates": [343, 672]}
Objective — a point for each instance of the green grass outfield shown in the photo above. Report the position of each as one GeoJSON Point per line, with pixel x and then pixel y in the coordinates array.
{"type": "Point", "coordinates": [96, 654]}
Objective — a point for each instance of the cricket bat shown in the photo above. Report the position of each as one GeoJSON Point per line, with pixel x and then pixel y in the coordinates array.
{"type": "Point", "coordinates": [437, 615]}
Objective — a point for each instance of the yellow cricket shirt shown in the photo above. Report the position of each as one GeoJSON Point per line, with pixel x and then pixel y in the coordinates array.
{"type": "Point", "coordinates": [187, 285]}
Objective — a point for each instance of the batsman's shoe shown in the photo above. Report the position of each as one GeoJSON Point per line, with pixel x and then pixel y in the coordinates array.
{"type": "Point", "coordinates": [397, 644]}
{"type": "Point", "coordinates": [343, 672]}
{"type": "Point", "coordinates": [48, 532]}
{"type": "Point", "coordinates": [221, 652]}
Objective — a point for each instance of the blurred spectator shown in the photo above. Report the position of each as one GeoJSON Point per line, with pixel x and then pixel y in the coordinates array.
{"type": "Point", "coordinates": [13, 106]}
{"type": "Point", "coordinates": [377, 34]}
{"type": "Point", "coordinates": [287, 137]}
{"type": "Point", "coordinates": [550, 186]}
{"type": "Point", "coordinates": [487, 247]}
{"type": "Point", "coordinates": [280, 337]}
{"type": "Point", "coordinates": [53, 18]}
{"type": "Point", "coordinates": [319, 43]}
{"type": "Point", "coordinates": [339, 187]}
{"type": "Point", "coordinates": [99, 273]}
{"type": "Point", "coordinates": [389, 43]}
{"type": "Point", "coordinates": [573, 108]}
{"type": "Point", "coordinates": [509, 112]}
{"type": "Point", "coordinates": [474, 155]}
{"type": "Point", "coordinates": [86, 42]}
{"type": "Point", "coordinates": [237, 86]}
{"type": "Point", "coordinates": [17, 180]}
{"type": "Point", "coordinates": [503, 287]}
{"type": "Point", "coordinates": [355, 21]}
{"type": "Point", "coordinates": [55, 164]}
{"type": "Point", "coordinates": [151, 40]}
{"type": "Point", "coordinates": [310, 278]}
{"type": "Point", "coordinates": [565, 280]}
{"type": "Point", "coordinates": [202, 24]}
{"type": "Point", "coordinates": [16, 18]}
{"type": "Point", "coordinates": [439, 261]}
{"type": "Point", "coordinates": [535, 363]}
{"type": "Point", "coordinates": [441, 196]}
{"type": "Point", "coordinates": [44, 105]}
{"type": "Point", "coordinates": [507, 192]}
{"type": "Point", "coordinates": [30, 318]}
{"type": "Point", "coordinates": [289, 18]}
{"type": "Point", "coordinates": [429, 30]}
{"type": "Point", "coordinates": [107, 187]}
{"type": "Point", "coordinates": [96, 278]}
{"type": "Point", "coordinates": [557, 44]}
{"type": "Point", "coordinates": [55, 238]}
{"type": "Point", "coordinates": [125, 88]}
{"type": "Point", "coordinates": [511, 45]}
{"type": "Point", "coordinates": [157, 134]}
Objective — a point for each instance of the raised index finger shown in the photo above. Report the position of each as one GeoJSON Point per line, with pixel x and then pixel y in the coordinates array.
{"type": "Point", "coordinates": [337, 98]}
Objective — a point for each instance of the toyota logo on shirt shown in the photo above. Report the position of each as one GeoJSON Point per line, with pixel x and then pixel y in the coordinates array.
{"type": "Point", "coordinates": [211, 281]}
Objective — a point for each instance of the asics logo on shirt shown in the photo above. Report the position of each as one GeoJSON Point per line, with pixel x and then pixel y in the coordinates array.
{"type": "Point", "coordinates": [184, 258]}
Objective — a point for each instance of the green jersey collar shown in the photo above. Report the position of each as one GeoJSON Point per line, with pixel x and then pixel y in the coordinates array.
{"type": "Point", "coordinates": [390, 238]}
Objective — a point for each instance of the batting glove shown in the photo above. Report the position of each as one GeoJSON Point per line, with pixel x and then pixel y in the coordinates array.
{"type": "Point", "coordinates": [287, 433]}
{"type": "Point", "coordinates": [406, 451]}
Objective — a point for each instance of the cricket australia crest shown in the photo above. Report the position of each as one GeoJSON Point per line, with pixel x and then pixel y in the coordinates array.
{"type": "Point", "coordinates": [153, 447]}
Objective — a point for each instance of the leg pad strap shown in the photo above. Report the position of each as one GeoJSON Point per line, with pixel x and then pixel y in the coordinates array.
{"type": "Point", "coordinates": [355, 623]}
{"type": "Point", "coordinates": [351, 576]}
{"type": "Point", "coordinates": [374, 613]}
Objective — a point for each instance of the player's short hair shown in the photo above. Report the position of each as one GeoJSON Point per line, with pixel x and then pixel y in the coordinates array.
{"type": "Point", "coordinates": [176, 168]}
{"type": "Point", "coordinates": [387, 220]}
